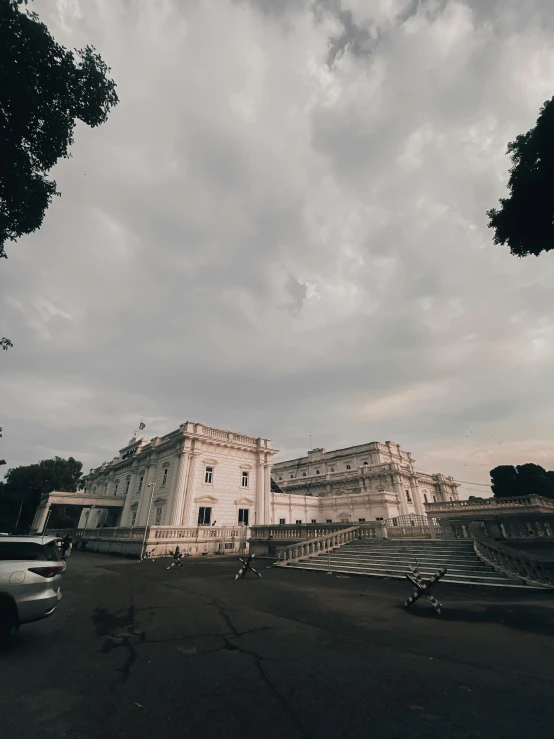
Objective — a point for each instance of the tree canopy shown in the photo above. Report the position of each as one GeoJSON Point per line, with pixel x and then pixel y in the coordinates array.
{"type": "Point", "coordinates": [44, 90]}
{"type": "Point", "coordinates": [525, 221]}
{"type": "Point", "coordinates": [523, 479]}
{"type": "Point", "coordinates": [24, 485]}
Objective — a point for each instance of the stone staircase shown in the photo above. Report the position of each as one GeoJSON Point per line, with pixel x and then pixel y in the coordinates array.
{"type": "Point", "coordinates": [392, 559]}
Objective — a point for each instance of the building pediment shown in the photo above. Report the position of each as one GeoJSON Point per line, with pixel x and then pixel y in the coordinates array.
{"type": "Point", "coordinates": [208, 499]}
{"type": "Point", "coordinates": [244, 501]}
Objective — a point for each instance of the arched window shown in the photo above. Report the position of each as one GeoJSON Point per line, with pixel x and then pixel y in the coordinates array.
{"type": "Point", "coordinates": [317, 472]}
{"type": "Point", "coordinates": [280, 478]}
{"type": "Point", "coordinates": [332, 469]}
{"type": "Point", "coordinates": [365, 464]}
{"type": "Point", "coordinates": [116, 487]}
{"type": "Point", "coordinates": [303, 474]}
{"type": "Point", "coordinates": [347, 466]}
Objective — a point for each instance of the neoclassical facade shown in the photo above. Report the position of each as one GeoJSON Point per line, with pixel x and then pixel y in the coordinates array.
{"type": "Point", "coordinates": [366, 482]}
{"type": "Point", "coordinates": [195, 475]}
{"type": "Point", "coordinates": [203, 476]}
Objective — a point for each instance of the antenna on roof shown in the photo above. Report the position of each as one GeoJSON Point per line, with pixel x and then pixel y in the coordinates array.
{"type": "Point", "coordinates": [310, 441]}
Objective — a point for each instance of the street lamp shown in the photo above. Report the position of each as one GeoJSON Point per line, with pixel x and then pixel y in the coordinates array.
{"type": "Point", "coordinates": [153, 486]}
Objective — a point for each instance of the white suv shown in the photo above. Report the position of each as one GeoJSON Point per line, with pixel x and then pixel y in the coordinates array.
{"type": "Point", "coordinates": [30, 580]}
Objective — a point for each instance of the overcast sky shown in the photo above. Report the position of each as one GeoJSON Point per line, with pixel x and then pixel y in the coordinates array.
{"type": "Point", "coordinates": [281, 231]}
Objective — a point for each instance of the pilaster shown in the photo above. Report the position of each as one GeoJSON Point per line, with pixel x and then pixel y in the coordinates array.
{"type": "Point", "coordinates": [177, 498]}
{"type": "Point", "coordinates": [189, 490]}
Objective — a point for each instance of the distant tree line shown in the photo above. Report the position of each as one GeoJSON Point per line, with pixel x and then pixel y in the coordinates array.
{"type": "Point", "coordinates": [510, 481]}
{"type": "Point", "coordinates": [22, 487]}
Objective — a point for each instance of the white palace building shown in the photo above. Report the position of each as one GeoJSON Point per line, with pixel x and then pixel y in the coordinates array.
{"type": "Point", "coordinates": [202, 476]}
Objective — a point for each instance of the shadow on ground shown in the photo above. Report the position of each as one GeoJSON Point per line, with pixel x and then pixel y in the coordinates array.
{"type": "Point", "coordinates": [534, 620]}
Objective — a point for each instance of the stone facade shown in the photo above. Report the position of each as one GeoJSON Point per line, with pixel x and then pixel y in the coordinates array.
{"type": "Point", "coordinates": [369, 481]}
{"type": "Point", "coordinates": [196, 474]}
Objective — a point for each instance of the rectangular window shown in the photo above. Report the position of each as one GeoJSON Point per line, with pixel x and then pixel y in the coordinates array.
{"type": "Point", "coordinates": [434, 498]}
{"type": "Point", "coordinates": [141, 480]}
{"type": "Point", "coordinates": [164, 479]}
{"type": "Point", "coordinates": [244, 479]}
{"type": "Point", "coordinates": [158, 516]}
{"type": "Point", "coordinates": [133, 518]}
{"type": "Point", "coordinates": [298, 520]}
{"type": "Point", "coordinates": [408, 498]}
{"type": "Point", "coordinates": [115, 489]}
{"type": "Point", "coordinates": [282, 522]}
{"type": "Point", "coordinates": [361, 520]}
{"type": "Point", "coordinates": [425, 498]}
{"type": "Point", "coordinates": [209, 474]}
{"type": "Point", "coordinates": [127, 485]}
{"type": "Point", "coordinates": [379, 518]}
{"type": "Point", "coordinates": [329, 520]}
{"type": "Point", "coordinates": [243, 516]}
{"type": "Point", "coordinates": [314, 520]}
{"type": "Point", "coordinates": [204, 516]}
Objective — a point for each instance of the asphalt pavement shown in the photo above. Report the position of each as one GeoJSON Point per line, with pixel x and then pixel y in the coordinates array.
{"type": "Point", "coordinates": [136, 651]}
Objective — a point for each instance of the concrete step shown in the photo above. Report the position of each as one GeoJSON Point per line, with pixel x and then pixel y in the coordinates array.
{"type": "Point", "coordinates": [375, 552]}
{"type": "Point", "coordinates": [479, 569]}
{"type": "Point", "coordinates": [427, 546]}
{"type": "Point", "coordinates": [403, 563]}
{"type": "Point", "coordinates": [493, 580]}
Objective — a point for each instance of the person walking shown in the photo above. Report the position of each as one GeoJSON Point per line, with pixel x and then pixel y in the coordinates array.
{"type": "Point", "coordinates": [177, 556]}
{"type": "Point", "coordinates": [67, 546]}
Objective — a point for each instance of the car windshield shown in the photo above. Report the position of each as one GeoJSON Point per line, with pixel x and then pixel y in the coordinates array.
{"type": "Point", "coordinates": [23, 550]}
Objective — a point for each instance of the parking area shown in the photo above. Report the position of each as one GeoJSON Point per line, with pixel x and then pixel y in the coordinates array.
{"type": "Point", "coordinates": [138, 651]}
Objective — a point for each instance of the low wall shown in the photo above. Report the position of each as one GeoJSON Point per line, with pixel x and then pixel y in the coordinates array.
{"type": "Point", "coordinates": [154, 548]}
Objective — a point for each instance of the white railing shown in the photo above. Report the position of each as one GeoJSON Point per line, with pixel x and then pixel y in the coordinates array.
{"type": "Point", "coordinates": [525, 500]}
{"type": "Point", "coordinates": [322, 544]}
{"type": "Point", "coordinates": [295, 531]}
{"type": "Point", "coordinates": [244, 439]}
{"type": "Point", "coordinates": [164, 533]}
{"type": "Point", "coordinates": [412, 527]}
{"type": "Point", "coordinates": [198, 532]}
{"type": "Point", "coordinates": [510, 561]}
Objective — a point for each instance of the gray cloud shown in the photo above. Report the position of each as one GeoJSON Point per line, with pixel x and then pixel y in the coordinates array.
{"type": "Point", "coordinates": [271, 244]}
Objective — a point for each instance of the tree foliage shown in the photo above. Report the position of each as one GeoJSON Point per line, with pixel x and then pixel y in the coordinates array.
{"type": "Point", "coordinates": [44, 89]}
{"type": "Point", "coordinates": [525, 221]}
{"type": "Point", "coordinates": [24, 485]}
{"type": "Point", "coordinates": [523, 479]}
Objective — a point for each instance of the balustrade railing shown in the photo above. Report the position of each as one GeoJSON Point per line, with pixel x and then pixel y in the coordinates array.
{"type": "Point", "coordinates": [316, 546]}
{"type": "Point", "coordinates": [161, 533]}
{"type": "Point", "coordinates": [525, 500]}
{"type": "Point", "coordinates": [295, 531]}
{"type": "Point", "coordinates": [538, 526]}
{"type": "Point", "coordinates": [510, 561]}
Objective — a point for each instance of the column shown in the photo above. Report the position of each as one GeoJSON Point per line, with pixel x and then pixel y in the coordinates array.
{"type": "Point", "coordinates": [416, 495]}
{"type": "Point", "coordinates": [40, 517]}
{"type": "Point", "coordinates": [177, 499]}
{"type": "Point", "coordinates": [125, 515]}
{"type": "Point", "coordinates": [397, 487]}
{"type": "Point", "coordinates": [267, 493]}
{"type": "Point", "coordinates": [146, 492]}
{"type": "Point", "coordinates": [259, 493]}
{"type": "Point", "coordinates": [189, 492]}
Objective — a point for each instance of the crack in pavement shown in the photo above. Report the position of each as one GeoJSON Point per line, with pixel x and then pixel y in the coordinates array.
{"type": "Point", "coordinates": [119, 632]}
{"type": "Point", "coordinates": [263, 674]}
